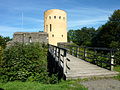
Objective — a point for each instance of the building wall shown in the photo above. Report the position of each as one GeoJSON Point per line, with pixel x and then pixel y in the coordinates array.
{"type": "Point", "coordinates": [29, 37]}
{"type": "Point", "coordinates": [55, 24]}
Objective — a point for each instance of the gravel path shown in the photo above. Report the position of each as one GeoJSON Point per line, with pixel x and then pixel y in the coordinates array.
{"type": "Point", "coordinates": [102, 84]}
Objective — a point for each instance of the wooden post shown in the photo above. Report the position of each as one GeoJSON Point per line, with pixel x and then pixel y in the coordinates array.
{"type": "Point", "coordinates": [64, 62]}
{"type": "Point", "coordinates": [112, 62]}
{"type": "Point", "coordinates": [59, 55]}
{"type": "Point", "coordinates": [77, 52]}
{"type": "Point", "coordinates": [84, 53]}
{"type": "Point", "coordinates": [95, 58]}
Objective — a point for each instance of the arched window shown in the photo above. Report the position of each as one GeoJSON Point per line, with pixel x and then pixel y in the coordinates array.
{"type": "Point", "coordinates": [52, 35]}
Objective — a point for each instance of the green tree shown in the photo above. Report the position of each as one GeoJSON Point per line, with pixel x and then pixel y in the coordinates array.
{"type": "Point", "coordinates": [109, 33]}
{"type": "Point", "coordinates": [1, 55]}
{"type": "Point", "coordinates": [82, 36]}
{"type": "Point", "coordinates": [71, 35]}
{"type": "Point", "coordinates": [3, 41]}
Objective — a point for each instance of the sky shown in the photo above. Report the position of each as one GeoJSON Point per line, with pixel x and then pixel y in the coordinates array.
{"type": "Point", "coordinates": [28, 15]}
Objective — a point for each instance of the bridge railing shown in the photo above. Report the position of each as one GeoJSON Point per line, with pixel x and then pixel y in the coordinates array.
{"type": "Point", "coordinates": [102, 57]}
{"type": "Point", "coordinates": [60, 56]}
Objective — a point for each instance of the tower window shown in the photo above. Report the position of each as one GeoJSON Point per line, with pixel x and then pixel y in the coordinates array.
{"type": "Point", "coordinates": [59, 17]}
{"type": "Point", "coordinates": [62, 35]}
{"type": "Point", "coordinates": [46, 28]}
{"type": "Point", "coordinates": [49, 17]}
{"type": "Point", "coordinates": [50, 27]}
{"type": "Point", "coordinates": [64, 18]}
{"type": "Point", "coordinates": [52, 35]}
{"type": "Point", "coordinates": [54, 17]}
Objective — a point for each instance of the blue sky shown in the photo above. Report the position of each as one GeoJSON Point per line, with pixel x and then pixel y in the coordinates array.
{"type": "Point", "coordinates": [81, 13]}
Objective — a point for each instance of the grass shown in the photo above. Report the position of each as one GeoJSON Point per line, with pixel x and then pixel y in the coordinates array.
{"type": "Point", "coordinates": [117, 68]}
{"type": "Point", "coordinates": [64, 85]}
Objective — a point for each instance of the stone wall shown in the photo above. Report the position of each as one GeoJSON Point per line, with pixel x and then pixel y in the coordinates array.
{"type": "Point", "coordinates": [29, 37]}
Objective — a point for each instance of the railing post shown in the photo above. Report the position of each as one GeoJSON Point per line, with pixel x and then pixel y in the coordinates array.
{"type": "Point", "coordinates": [64, 62]}
{"type": "Point", "coordinates": [112, 62]}
{"type": "Point", "coordinates": [73, 51]}
{"type": "Point", "coordinates": [76, 50]}
{"type": "Point", "coordinates": [84, 52]}
{"type": "Point", "coordinates": [56, 53]}
{"type": "Point", "coordinates": [59, 55]}
{"type": "Point", "coordinates": [95, 58]}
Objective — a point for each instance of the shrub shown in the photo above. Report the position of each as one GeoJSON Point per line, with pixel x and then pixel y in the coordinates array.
{"type": "Point", "coordinates": [1, 55]}
{"type": "Point", "coordinates": [117, 57]}
{"type": "Point", "coordinates": [25, 62]}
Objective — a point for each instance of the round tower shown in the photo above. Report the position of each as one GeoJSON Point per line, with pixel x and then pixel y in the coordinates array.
{"type": "Point", "coordinates": [55, 24]}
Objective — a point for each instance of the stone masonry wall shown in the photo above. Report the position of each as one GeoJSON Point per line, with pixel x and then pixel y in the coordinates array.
{"type": "Point", "coordinates": [29, 37]}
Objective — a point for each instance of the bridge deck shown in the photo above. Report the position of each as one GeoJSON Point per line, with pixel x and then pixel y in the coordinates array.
{"type": "Point", "coordinates": [82, 69]}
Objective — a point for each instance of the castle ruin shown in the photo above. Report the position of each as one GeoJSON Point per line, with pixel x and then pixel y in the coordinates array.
{"type": "Point", "coordinates": [55, 30]}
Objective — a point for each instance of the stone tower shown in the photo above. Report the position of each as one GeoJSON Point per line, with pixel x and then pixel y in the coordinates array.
{"type": "Point", "coordinates": [55, 24]}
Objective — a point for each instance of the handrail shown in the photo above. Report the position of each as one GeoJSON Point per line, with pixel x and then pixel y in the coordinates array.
{"type": "Point", "coordinates": [58, 54]}
{"type": "Point", "coordinates": [94, 57]}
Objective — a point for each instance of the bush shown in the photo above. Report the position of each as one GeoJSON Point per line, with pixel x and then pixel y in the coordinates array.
{"type": "Point", "coordinates": [117, 57]}
{"type": "Point", "coordinates": [1, 55]}
{"type": "Point", "coordinates": [25, 63]}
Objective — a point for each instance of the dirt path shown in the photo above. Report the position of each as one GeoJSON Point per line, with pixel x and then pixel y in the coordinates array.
{"type": "Point", "coordinates": [102, 84]}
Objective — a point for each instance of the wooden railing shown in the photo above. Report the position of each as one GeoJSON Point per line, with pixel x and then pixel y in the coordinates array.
{"type": "Point", "coordinates": [60, 56]}
{"type": "Point", "coordinates": [102, 57]}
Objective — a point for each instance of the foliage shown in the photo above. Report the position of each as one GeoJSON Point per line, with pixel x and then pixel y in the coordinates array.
{"type": "Point", "coordinates": [3, 41]}
{"type": "Point", "coordinates": [109, 33]}
{"type": "Point", "coordinates": [64, 85]}
{"type": "Point", "coordinates": [114, 44]}
{"type": "Point", "coordinates": [117, 57]}
{"type": "Point", "coordinates": [25, 63]}
{"type": "Point", "coordinates": [117, 68]}
{"type": "Point", "coordinates": [81, 37]}
{"type": "Point", "coordinates": [105, 36]}
{"type": "Point", "coordinates": [1, 55]}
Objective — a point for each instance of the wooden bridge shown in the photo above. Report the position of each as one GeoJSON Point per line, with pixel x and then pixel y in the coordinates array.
{"type": "Point", "coordinates": [74, 62]}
